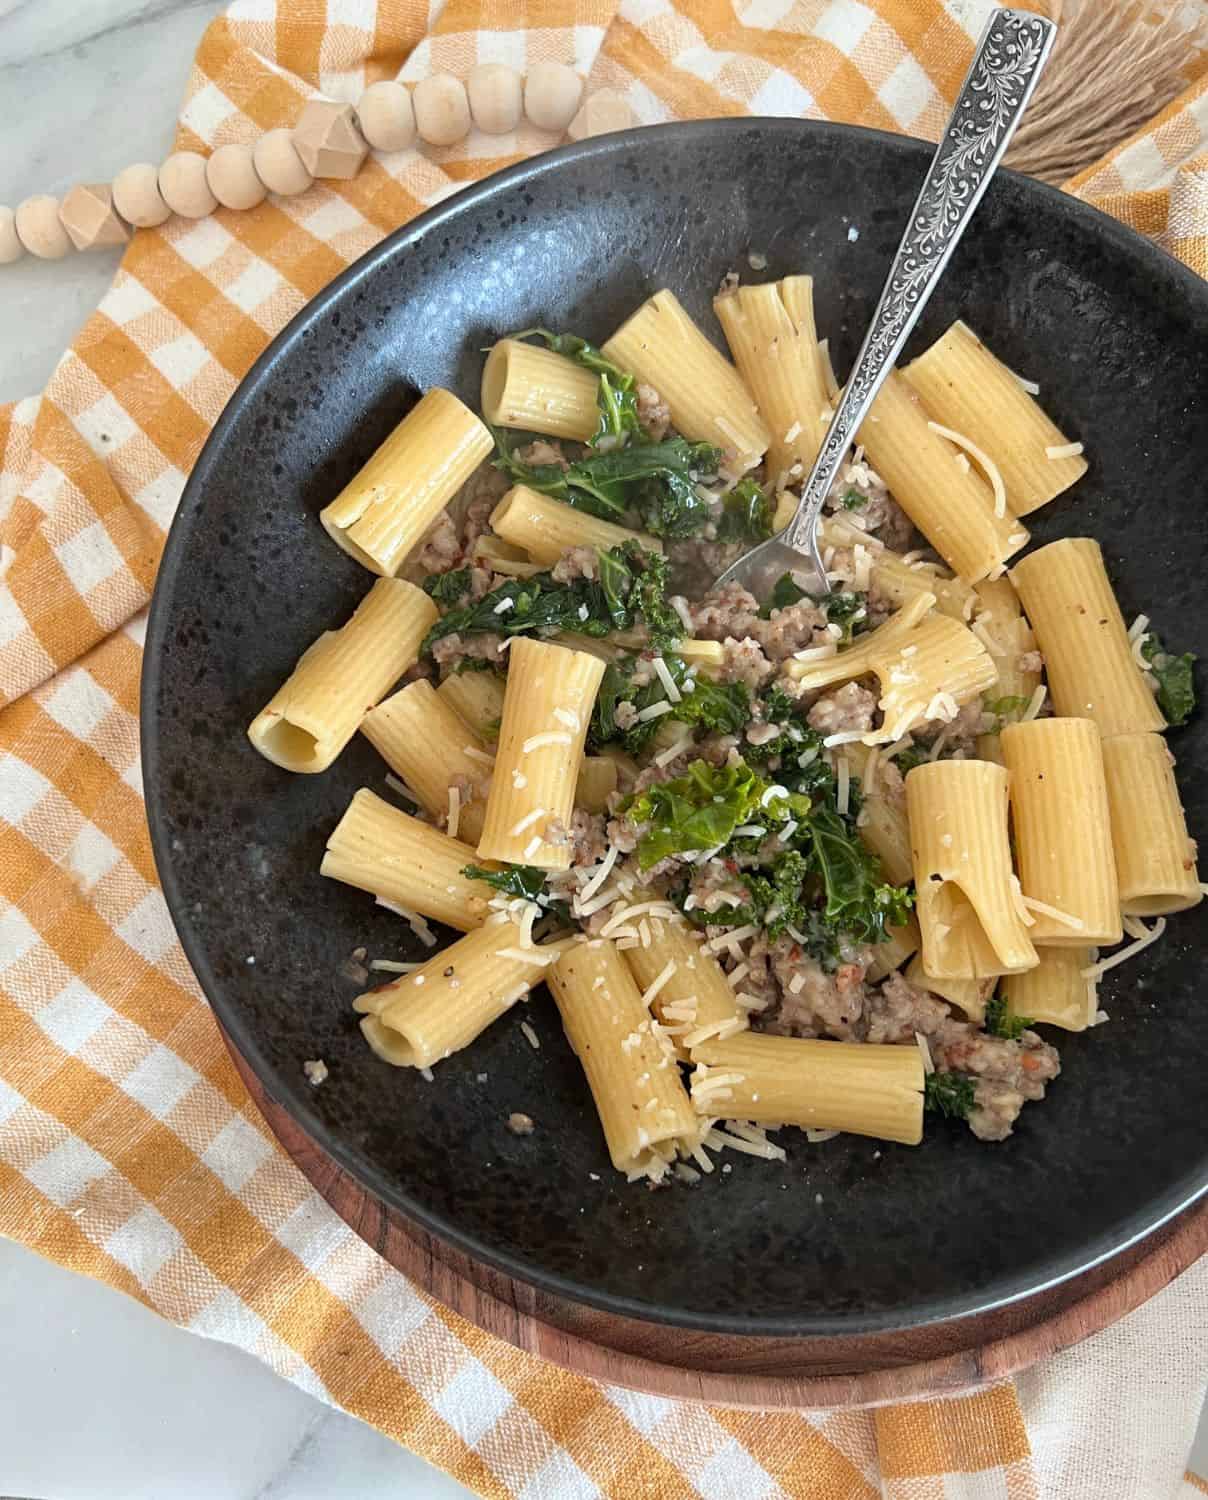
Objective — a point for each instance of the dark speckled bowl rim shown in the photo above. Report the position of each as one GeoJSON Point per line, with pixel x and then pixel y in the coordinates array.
{"type": "Point", "coordinates": [1005, 1290]}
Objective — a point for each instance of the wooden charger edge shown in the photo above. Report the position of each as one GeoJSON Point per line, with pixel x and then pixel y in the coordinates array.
{"type": "Point", "coordinates": [729, 1370]}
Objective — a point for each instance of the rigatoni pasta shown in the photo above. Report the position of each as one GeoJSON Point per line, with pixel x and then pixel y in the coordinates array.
{"type": "Point", "coordinates": [405, 863]}
{"type": "Point", "coordinates": [382, 514]}
{"type": "Point", "coordinates": [539, 391]}
{"type": "Point", "coordinates": [1091, 671]}
{"type": "Point", "coordinates": [546, 528]}
{"type": "Point", "coordinates": [426, 1016]}
{"type": "Point", "coordinates": [663, 347]}
{"type": "Point", "coordinates": [1063, 832]}
{"type": "Point", "coordinates": [1056, 992]}
{"type": "Point", "coordinates": [685, 985]}
{"type": "Point", "coordinates": [780, 1080]}
{"type": "Point", "coordinates": [477, 697]}
{"type": "Point", "coordinates": [771, 333]}
{"type": "Point", "coordinates": [999, 622]}
{"type": "Point", "coordinates": [954, 509]}
{"type": "Point", "coordinates": [643, 1106]}
{"type": "Point", "coordinates": [546, 710]}
{"type": "Point", "coordinates": [970, 915]}
{"type": "Point", "coordinates": [1155, 857]}
{"type": "Point", "coordinates": [437, 755]}
{"type": "Point", "coordinates": [964, 387]}
{"type": "Point", "coordinates": [313, 715]}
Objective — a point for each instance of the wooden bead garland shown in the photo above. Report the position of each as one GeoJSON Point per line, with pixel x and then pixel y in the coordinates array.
{"type": "Point", "coordinates": [385, 116]}
{"type": "Point", "coordinates": [137, 197]}
{"type": "Point", "coordinates": [182, 181]}
{"type": "Point", "coordinates": [278, 164]}
{"type": "Point", "coordinates": [231, 177]}
{"type": "Point", "coordinates": [496, 94]}
{"type": "Point", "coordinates": [442, 110]}
{"type": "Point", "coordinates": [330, 140]}
{"type": "Point", "coordinates": [11, 248]}
{"type": "Point", "coordinates": [39, 230]}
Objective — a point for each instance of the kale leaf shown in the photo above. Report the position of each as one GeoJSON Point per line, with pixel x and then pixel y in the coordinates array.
{"type": "Point", "coordinates": [746, 514]}
{"type": "Point", "coordinates": [1005, 710]}
{"type": "Point", "coordinates": [448, 589]}
{"type": "Point", "coordinates": [617, 393]}
{"type": "Point", "coordinates": [999, 1022]}
{"type": "Point", "coordinates": [1175, 678]}
{"type": "Point", "coordinates": [857, 902]}
{"type": "Point", "coordinates": [852, 499]}
{"type": "Point", "coordinates": [631, 588]}
{"type": "Point", "coordinates": [518, 880]}
{"type": "Point", "coordinates": [839, 608]}
{"type": "Point", "coordinates": [949, 1094]}
{"type": "Point", "coordinates": [784, 593]}
{"type": "Point", "coordinates": [702, 808]}
{"type": "Point", "coordinates": [723, 707]}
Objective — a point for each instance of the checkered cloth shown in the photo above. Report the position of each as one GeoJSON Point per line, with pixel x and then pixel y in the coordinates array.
{"type": "Point", "coordinates": [128, 1148]}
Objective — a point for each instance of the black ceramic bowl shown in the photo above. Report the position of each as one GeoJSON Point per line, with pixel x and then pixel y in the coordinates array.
{"type": "Point", "coordinates": [850, 1235]}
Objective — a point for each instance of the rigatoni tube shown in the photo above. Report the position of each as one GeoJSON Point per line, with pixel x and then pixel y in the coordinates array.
{"type": "Point", "coordinates": [434, 750]}
{"type": "Point", "coordinates": [384, 511]}
{"type": "Point", "coordinates": [858, 1087]}
{"type": "Point", "coordinates": [1091, 672]}
{"type": "Point", "coordinates": [969, 911]}
{"type": "Point", "coordinates": [390, 854]}
{"type": "Point", "coordinates": [477, 697]}
{"type": "Point", "coordinates": [310, 719]}
{"type": "Point", "coordinates": [709, 403]}
{"type": "Point", "coordinates": [442, 1007]}
{"type": "Point", "coordinates": [1010, 640]}
{"type": "Point", "coordinates": [546, 528]}
{"type": "Point", "coordinates": [539, 391]}
{"type": "Point", "coordinates": [643, 1107]}
{"type": "Point", "coordinates": [771, 333]}
{"type": "Point", "coordinates": [954, 509]}
{"type": "Point", "coordinates": [693, 999]}
{"type": "Point", "coordinates": [1063, 833]}
{"type": "Point", "coordinates": [1155, 857]}
{"type": "Point", "coordinates": [900, 944]}
{"type": "Point", "coordinates": [964, 387]}
{"type": "Point", "coordinates": [546, 711]}
{"type": "Point", "coordinates": [1055, 991]}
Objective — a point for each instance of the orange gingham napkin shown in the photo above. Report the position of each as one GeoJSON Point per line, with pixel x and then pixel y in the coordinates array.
{"type": "Point", "coordinates": [128, 1147]}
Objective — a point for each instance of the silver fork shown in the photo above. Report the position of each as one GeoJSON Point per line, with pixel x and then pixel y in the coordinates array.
{"type": "Point", "coordinates": [1010, 57]}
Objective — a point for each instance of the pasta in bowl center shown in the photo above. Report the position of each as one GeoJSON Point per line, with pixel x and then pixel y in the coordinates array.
{"type": "Point", "coordinates": [819, 863]}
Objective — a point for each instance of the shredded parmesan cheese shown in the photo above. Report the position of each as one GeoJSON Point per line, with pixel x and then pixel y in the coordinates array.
{"type": "Point", "coordinates": [664, 676]}
{"type": "Point", "coordinates": [454, 817]}
{"type": "Point", "coordinates": [1043, 909]}
{"type": "Point", "coordinates": [1035, 704]}
{"type": "Point", "coordinates": [983, 460]}
{"type": "Point", "coordinates": [655, 711]}
{"type": "Point", "coordinates": [550, 737]}
{"type": "Point", "coordinates": [526, 822]}
{"type": "Point", "coordinates": [1096, 970]}
{"type": "Point", "coordinates": [1064, 450]}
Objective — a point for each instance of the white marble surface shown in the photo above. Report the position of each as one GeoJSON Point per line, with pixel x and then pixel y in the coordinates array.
{"type": "Point", "coordinates": [97, 84]}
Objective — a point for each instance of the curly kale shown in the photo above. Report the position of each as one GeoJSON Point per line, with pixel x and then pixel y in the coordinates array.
{"type": "Point", "coordinates": [747, 512]}
{"type": "Point", "coordinates": [1175, 679]}
{"type": "Point", "coordinates": [617, 393]}
{"type": "Point", "coordinates": [999, 1021]}
{"type": "Point", "coordinates": [706, 705]}
{"type": "Point", "coordinates": [448, 589]}
{"type": "Point", "coordinates": [948, 1094]}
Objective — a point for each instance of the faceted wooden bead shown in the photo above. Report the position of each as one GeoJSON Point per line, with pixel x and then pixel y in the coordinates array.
{"type": "Point", "coordinates": [278, 164]}
{"type": "Point", "coordinates": [601, 113]}
{"type": "Point", "coordinates": [442, 111]}
{"type": "Point", "coordinates": [88, 216]}
{"type": "Point", "coordinates": [182, 181]}
{"type": "Point", "coordinates": [328, 141]}
{"type": "Point", "coordinates": [137, 197]}
{"type": "Point", "coordinates": [551, 95]}
{"type": "Point", "coordinates": [233, 179]}
{"type": "Point", "coordinates": [39, 229]}
{"type": "Point", "coordinates": [385, 115]}
{"type": "Point", "coordinates": [11, 248]}
{"type": "Point", "coordinates": [496, 95]}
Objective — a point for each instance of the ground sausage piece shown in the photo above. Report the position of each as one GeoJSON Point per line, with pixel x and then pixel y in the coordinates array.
{"type": "Point", "coordinates": [899, 1009]}
{"type": "Point", "coordinates": [441, 549]}
{"type": "Point", "coordinates": [577, 562]}
{"type": "Point", "coordinates": [996, 1107]}
{"type": "Point", "coordinates": [653, 412]}
{"type": "Point", "coordinates": [542, 452]}
{"type": "Point", "coordinates": [732, 611]}
{"type": "Point", "coordinates": [1026, 1065]}
{"type": "Point", "coordinates": [587, 841]}
{"type": "Point", "coordinates": [728, 611]}
{"type": "Point", "coordinates": [790, 629]}
{"type": "Point", "coordinates": [821, 1004]}
{"type": "Point", "coordinates": [960, 733]}
{"type": "Point", "coordinates": [624, 834]}
{"type": "Point", "coordinates": [744, 661]}
{"type": "Point", "coordinates": [451, 649]}
{"type": "Point", "coordinates": [850, 708]}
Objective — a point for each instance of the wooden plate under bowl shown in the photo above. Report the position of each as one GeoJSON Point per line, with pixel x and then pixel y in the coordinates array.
{"type": "Point", "coordinates": [727, 1370]}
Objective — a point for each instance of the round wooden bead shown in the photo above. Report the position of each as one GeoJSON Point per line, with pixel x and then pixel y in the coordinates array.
{"type": "Point", "coordinates": [385, 116]}
{"type": "Point", "coordinates": [551, 95]}
{"type": "Point", "coordinates": [232, 178]}
{"type": "Point", "coordinates": [182, 181]}
{"type": "Point", "coordinates": [278, 164]}
{"type": "Point", "coordinates": [496, 97]}
{"type": "Point", "coordinates": [11, 248]}
{"type": "Point", "coordinates": [39, 230]}
{"type": "Point", "coordinates": [137, 197]}
{"type": "Point", "coordinates": [442, 111]}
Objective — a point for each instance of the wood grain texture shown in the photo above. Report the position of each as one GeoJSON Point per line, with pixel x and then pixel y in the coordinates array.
{"type": "Point", "coordinates": [757, 1373]}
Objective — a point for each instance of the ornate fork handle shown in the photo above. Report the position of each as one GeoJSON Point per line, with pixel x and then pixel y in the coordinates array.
{"type": "Point", "coordinates": [1009, 59]}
